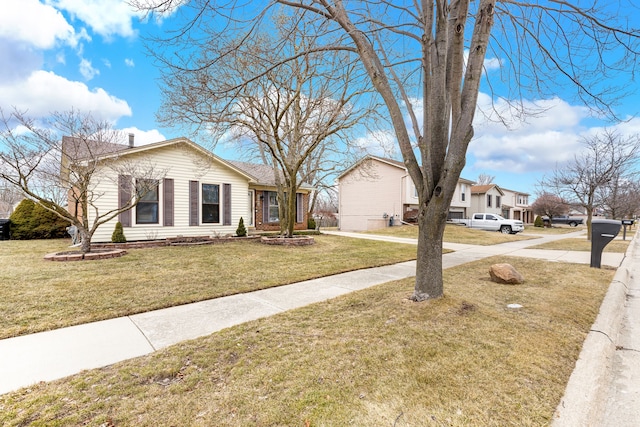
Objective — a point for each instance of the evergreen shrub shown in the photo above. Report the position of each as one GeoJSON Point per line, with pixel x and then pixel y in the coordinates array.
{"type": "Point", "coordinates": [241, 231]}
{"type": "Point", "coordinates": [31, 220]}
{"type": "Point", "coordinates": [118, 234]}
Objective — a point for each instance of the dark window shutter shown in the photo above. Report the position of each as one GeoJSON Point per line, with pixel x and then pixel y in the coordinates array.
{"type": "Point", "coordinates": [265, 207]}
{"type": "Point", "coordinates": [193, 203]}
{"type": "Point", "coordinates": [167, 192]}
{"type": "Point", "coordinates": [299, 207]}
{"type": "Point", "coordinates": [124, 197]}
{"type": "Point", "coordinates": [226, 200]}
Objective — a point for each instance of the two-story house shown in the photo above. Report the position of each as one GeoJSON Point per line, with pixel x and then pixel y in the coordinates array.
{"type": "Point", "coordinates": [377, 192]}
{"type": "Point", "coordinates": [516, 205]}
{"type": "Point", "coordinates": [510, 204]}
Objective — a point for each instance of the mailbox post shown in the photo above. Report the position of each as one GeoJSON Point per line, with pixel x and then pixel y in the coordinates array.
{"type": "Point", "coordinates": [625, 223]}
{"type": "Point", "coordinates": [602, 232]}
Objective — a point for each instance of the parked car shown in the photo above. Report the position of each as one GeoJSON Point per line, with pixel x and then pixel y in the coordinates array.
{"type": "Point", "coordinates": [493, 222]}
{"type": "Point", "coordinates": [563, 219]}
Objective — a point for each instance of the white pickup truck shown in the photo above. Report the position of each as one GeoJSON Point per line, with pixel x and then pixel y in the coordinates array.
{"type": "Point", "coordinates": [493, 222]}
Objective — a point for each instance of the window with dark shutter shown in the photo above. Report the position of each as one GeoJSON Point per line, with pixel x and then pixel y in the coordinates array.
{"type": "Point", "coordinates": [193, 202]}
{"type": "Point", "coordinates": [148, 206]}
{"type": "Point", "coordinates": [226, 200]}
{"type": "Point", "coordinates": [167, 192]}
{"type": "Point", "coordinates": [210, 204]}
{"type": "Point", "coordinates": [124, 196]}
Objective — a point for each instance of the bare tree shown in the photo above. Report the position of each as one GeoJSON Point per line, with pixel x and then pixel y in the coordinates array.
{"type": "Point", "coordinates": [9, 196]}
{"type": "Point", "coordinates": [55, 163]}
{"type": "Point", "coordinates": [293, 116]}
{"type": "Point", "coordinates": [605, 158]}
{"type": "Point", "coordinates": [550, 205]}
{"type": "Point", "coordinates": [425, 59]}
{"type": "Point", "coordinates": [326, 208]}
{"type": "Point", "coordinates": [485, 179]}
{"type": "Point", "coordinates": [621, 198]}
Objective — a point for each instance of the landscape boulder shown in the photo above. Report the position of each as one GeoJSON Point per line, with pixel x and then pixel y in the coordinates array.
{"type": "Point", "coordinates": [505, 274]}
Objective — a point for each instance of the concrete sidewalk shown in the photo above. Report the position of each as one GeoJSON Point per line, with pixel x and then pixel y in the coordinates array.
{"type": "Point", "coordinates": [55, 354]}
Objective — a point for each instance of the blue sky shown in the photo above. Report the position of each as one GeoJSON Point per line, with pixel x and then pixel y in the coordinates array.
{"type": "Point", "coordinates": [89, 54]}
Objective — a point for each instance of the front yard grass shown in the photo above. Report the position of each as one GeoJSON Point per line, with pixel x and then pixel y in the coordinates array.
{"type": "Point", "coordinates": [39, 295]}
{"type": "Point", "coordinates": [370, 358]}
{"type": "Point", "coordinates": [577, 244]}
{"type": "Point", "coordinates": [556, 229]}
{"type": "Point", "coordinates": [455, 234]}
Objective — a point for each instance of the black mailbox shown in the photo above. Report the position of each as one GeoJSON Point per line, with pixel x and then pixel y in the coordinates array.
{"type": "Point", "coordinates": [602, 232]}
{"type": "Point", "coordinates": [627, 222]}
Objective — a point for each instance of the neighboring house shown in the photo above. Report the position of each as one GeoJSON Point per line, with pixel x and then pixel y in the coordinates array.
{"type": "Point", "coordinates": [516, 205]}
{"type": "Point", "coordinates": [461, 203]}
{"type": "Point", "coordinates": [509, 204]}
{"type": "Point", "coordinates": [377, 192]}
{"type": "Point", "coordinates": [200, 194]}
{"type": "Point", "coordinates": [487, 198]}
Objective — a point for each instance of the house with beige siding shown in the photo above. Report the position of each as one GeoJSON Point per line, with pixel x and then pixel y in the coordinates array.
{"type": "Point", "coordinates": [515, 204]}
{"type": "Point", "coordinates": [509, 204]}
{"type": "Point", "coordinates": [199, 194]}
{"type": "Point", "coordinates": [486, 198]}
{"type": "Point", "coordinates": [377, 192]}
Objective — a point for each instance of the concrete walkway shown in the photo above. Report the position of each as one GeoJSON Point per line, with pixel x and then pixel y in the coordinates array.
{"type": "Point", "coordinates": [46, 356]}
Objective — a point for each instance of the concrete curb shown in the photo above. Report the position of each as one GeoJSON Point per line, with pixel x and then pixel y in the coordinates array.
{"type": "Point", "coordinates": [584, 399]}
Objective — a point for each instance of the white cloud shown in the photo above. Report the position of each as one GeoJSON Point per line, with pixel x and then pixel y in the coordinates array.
{"type": "Point", "coordinates": [379, 143]}
{"type": "Point", "coordinates": [87, 70]}
{"type": "Point", "coordinates": [129, 62]}
{"type": "Point", "coordinates": [43, 92]}
{"type": "Point", "coordinates": [142, 137]}
{"type": "Point", "coordinates": [489, 63]}
{"type": "Point", "coordinates": [37, 24]}
{"type": "Point", "coordinates": [533, 142]}
{"type": "Point", "coordinates": [105, 17]}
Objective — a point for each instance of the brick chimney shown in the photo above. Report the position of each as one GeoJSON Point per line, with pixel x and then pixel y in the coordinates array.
{"type": "Point", "coordinates": [131, 137]}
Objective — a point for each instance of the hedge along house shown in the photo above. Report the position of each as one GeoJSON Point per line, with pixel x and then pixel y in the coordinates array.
{"type": "Point", "coordinates": [200, 193]}
{"type": "Point", "coordinates": [263, 196]}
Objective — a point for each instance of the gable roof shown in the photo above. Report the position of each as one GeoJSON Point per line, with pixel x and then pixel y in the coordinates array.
{"type": "Point", "coordinates": [263, 174]}
{"type": "Point", "coordinates": [79, 150]}
{"type": "Point", "coordinates": [482, 189]}
{"type": "Point", "coordinates": [516, 192]}
{"type": "Point", "coordinates": [391, 162]}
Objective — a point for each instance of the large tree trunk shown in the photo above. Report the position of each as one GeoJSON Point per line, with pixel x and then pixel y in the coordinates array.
{"type": "Point", "coordinates": [431, 223]}
{"type": "Point", "coordinates": [85, 241]}
{"type": "Point", "coordinates": [291, 207]}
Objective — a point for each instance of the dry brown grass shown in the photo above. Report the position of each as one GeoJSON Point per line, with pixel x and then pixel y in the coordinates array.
{"type": "Point", "coordinates": [582, 244]}
{"type": "Point", "coordinates": [455, 234]}
{"type": "Point", "coordinates": [556, 229]}
{"type": "Point", "coordinates": [370, 358]}
{"type": "Point", "coordinates": [39, 295]}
